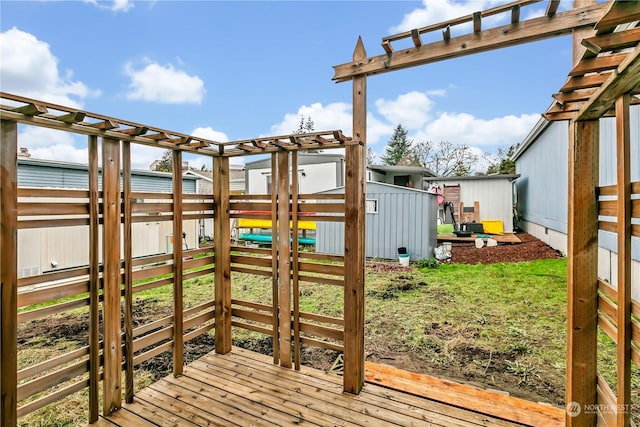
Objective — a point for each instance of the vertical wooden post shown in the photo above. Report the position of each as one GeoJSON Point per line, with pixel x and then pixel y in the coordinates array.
{"type": "Point", "coordinates": [178, 307]}
{"type": "Point", "coordinates": [274, 258]}
{"type": "Point", "coordinates": [112, 391]}
{"type": "Point", "coordinates": [581, 33]}
{"type": "Point", "coordinates": [582, 270]}
{"type": "Point", "coordinates": [222, 254]}
{"type": "Point", "coordinates": [623, 145]}
{"type": "Point", "coordinates": [294, 259]}
{"type": "Point", "coordinates": [128, 271]}
{"type": "Point", "coordinates": [354, 236]}
{"type": "Point", "coordinates": [94, 280]}
{"type": "Point", "coordinates": [9, 272]}
{"type": "Point", "coordinates": [284, 260]}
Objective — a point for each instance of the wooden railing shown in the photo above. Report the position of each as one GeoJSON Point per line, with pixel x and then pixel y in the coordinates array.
{"type": "Point", "coordinates": [48, 294]}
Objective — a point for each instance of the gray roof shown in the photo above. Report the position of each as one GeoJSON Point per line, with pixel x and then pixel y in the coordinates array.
{"type": "Point", "coordinates": [406, 169]}
{"type": "Point", "coordinates": [510, 177]}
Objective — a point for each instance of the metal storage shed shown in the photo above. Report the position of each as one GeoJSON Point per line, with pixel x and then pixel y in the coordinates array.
{"type": "Point", "coordinates": [494, 193]}
{"type": "Point", "coordinates": [395, 217]}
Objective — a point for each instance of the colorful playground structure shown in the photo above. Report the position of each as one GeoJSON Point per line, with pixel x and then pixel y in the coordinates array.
{"type": "Point", "coordinates": [261, 231]}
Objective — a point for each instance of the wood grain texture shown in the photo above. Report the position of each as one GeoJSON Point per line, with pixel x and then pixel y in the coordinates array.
{"type": "Point", "coordinates": [295, 267]}
{"type": "Point", "coordinates": [582, 268]}
{"type": "Point", "coordinates": [623, 149]}
{"type": "Point", "coordinates": [495, 38]}
{"type": "Point", "coordinates": [222, 255]}
{"type": "Point", "coordinates": [284, 260]}
{"type": "Point", "coordinates": [465, 396]}
{"type": "Point", "coordinates": [112, 390]}
{"type": "Point", "coordinates": [8, 271]}
{"type": "Point", "coordinates": [94, 280]}
{"type": "Point", "coordinates": [128, 270]}
{"type": "Point", "coordinates": [178, 303]}
{"type": "Point", "coordinates": [273, 208]}
{"type": "Point", "coordinates": [246, 388]}
{"type": "Point", "coordinates": [354, 236]}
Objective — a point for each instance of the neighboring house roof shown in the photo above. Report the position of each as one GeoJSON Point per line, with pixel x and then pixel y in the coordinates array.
{"type": "Point", "coordinates": [510, 177]}
{"type": "Point", "coordinates": [57, 174]}
{"type": "Point", "coordinates": [236, 172]}
{"type": "Point", "coordinates": [381, 187]}
{"type": "Point", "coordinates": [206, 175]}
{"type": "Point", "coordinates": [407, 169]}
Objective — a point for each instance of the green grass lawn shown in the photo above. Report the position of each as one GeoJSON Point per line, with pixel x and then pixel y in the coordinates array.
{"type": "Point", "coordinates": [499, 326]}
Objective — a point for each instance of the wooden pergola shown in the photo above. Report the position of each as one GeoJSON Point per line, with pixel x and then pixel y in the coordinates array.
{"type": "Point", "coordinates": [111, 279]}
{"type": "Point", "coordinates": [602, 82]}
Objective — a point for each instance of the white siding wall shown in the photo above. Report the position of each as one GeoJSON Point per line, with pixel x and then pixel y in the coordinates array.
{"type": "Point", "coordinates": [494, 195]}
{"type": "Point", "coordinates": [317, 177]}
{"type": "Point", "coordinates": [69, 246]}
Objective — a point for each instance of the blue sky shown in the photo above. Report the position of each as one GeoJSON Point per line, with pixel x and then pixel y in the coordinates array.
{"type": "Point", "coordinates": [230, 70]}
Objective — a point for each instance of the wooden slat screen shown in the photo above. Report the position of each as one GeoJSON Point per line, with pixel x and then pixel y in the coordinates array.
{"type": "Point", "coordinates": [68, 289]}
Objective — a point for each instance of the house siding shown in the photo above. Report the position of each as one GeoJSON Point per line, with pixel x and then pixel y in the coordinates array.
{"type": "Point", "coordinates": [45, 174]}
{"type": "Point", "coordinates": [47, 249]}
{"type": "Point", "coordinates": [542, 187]}
{"type": "Point", "coordinates": [543, 190]}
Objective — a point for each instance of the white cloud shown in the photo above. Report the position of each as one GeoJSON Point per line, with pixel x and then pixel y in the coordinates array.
{"type": "Point", "coordinates": [121, 5]}
{"type": "Point", "coordinates": [62, 152]}
{"type": "Point", "coordinates": [336, 115]}
{"type": "Point", "coordinates": [333, 116]}
{"type": "Point", "coordinates": [115, 6]}
{"type": "Point", "coordinates": [51, 144]}
{"type": "Point", "coordinates": [410, 109]}
{"type": "Point", "coordinates": [210, 133]}
{"type": "Point", "coordinates": [164, 84]}
{"type": "Point", "coordinates": [29, 68]}
{"type": "Point", "coordinates": [38, 137]}
{"type": "Point", "coordinates": [376, 129]}
{"type": "Point", "coordinates": [142, 156]}
{"type": "Point", "coordinates": [463, 128]}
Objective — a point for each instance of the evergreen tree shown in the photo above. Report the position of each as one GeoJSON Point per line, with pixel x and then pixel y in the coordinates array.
{"type": "Point", "coordinates": [398, 148]}
{"type": "Point", "coordinates": [306, 125]}
{"type": "Point", "coordinates": [502, 163]}
{"type": "Point", "coordinates": [166, 162]}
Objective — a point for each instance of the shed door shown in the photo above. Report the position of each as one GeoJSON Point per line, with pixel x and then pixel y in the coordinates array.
{"type": "Point", "coordinates": [452, 194]}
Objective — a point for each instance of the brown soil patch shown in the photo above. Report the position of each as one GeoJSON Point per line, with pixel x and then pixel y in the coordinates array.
{"type": "Point", "coordinates": [529, 249]}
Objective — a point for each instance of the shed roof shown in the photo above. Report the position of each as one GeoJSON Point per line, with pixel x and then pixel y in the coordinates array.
{"type": "Point", "coordinates": [510, 177]}
{"type": "Point", "coordinates": [408, 169]}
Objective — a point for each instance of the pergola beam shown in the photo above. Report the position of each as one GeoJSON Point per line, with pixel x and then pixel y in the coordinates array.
{"type": "Point", "coordinates": [495, 38]}
{"type": "Point", "coordinates": [624, 79]}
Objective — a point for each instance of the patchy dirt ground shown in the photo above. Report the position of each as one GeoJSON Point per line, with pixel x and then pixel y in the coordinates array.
{"type": "Point", "coordinates": [470, 364]}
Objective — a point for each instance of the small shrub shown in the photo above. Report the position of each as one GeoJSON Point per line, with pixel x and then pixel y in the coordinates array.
{"type": "Point", "coordinates": [428, 263]}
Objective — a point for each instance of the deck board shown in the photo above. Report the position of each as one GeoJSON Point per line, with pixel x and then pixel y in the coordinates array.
{"type": "Point", "coordinates": [246, 388]}
{"type": "Point", "coordinates": [500, 238]}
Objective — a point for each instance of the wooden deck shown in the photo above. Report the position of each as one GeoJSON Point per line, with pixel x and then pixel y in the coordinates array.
{"type": "Point", "coordinates": [500, 238]}
{"type": "Point", "coordinates": [246, 388]}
